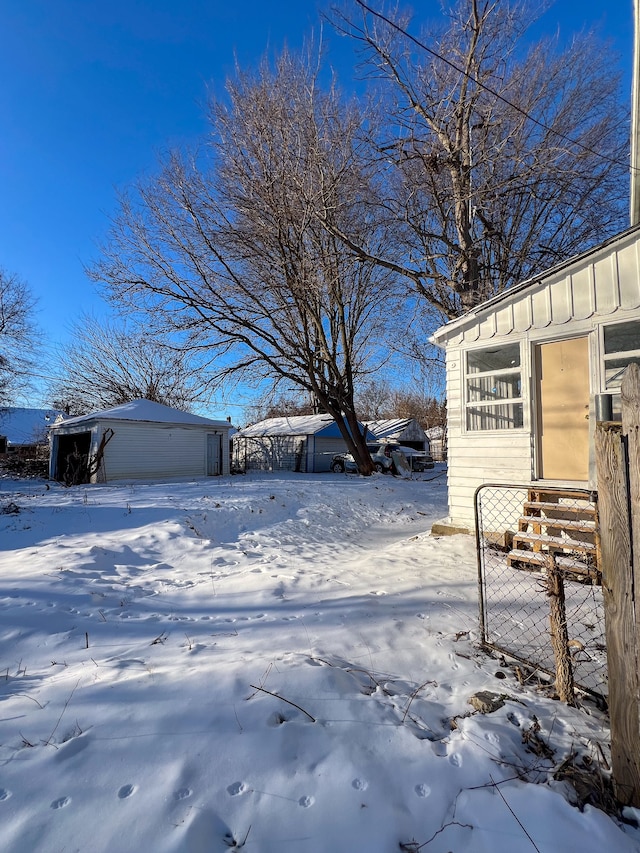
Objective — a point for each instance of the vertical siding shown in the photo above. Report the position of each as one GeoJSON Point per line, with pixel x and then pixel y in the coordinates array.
{"type": "Point", "coordinates": [541, 307]}
{"type": "Point", "coordinates": [504, 320]}
{"type": "Point", "coordinates": [150, 451]}
{"type": "Point", "coordinates": [606, 279]}
{"type": "Point", "coordinates": [522, 318]}
{"type": "Point", "coordinates": [629, 277]}
{"type": "Point", "coordinates": [583, 296]}
{"type": "Point", "coordinates": [561, 302]}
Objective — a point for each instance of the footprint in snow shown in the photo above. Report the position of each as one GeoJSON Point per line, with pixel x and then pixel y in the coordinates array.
{"type": "Point", "coordinates": [422, 790]}
{"type": "Point", "coordinates": [236, 789]}
{"type": "Point", "coordinates": [305, 802]}
{"type": "Point", "coordinates": [4, 794]}
{"type": "Point", "coordinates": [126, 791]}
{"type": "Point", "coordinates": [61, 803]}
{"type": "Point", "coordinates": [360, 784]}
{"type": "Point", "coordinates": [182, 793]}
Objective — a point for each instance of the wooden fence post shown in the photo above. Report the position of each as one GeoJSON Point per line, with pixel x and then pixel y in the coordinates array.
{"type": "Point", "coordinates": [631, 432]}
{"type": "Point", "coordinates": [618, 463]}
{"type": "Point", "coordinates": [559, 633]}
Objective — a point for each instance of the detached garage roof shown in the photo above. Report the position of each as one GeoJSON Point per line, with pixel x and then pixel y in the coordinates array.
{"type": "Point", "coordinates": [295, 425]}
{"type": "Point", "coordinates": [145, 411]}
{"type": "Point", "coordinates": [389, 427]}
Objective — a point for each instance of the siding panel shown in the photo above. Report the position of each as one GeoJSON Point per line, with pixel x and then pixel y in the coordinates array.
{"type": "Point", "coordinates": [561, 303]}
{"type": "Point", "coordinates": [143, 451]}
{"type": "Point", "coordinates": [629, 276]}
{"type": "Point", "coordinates": [582, 294]}
{"type": "Point", "coordinates": [606, 285]}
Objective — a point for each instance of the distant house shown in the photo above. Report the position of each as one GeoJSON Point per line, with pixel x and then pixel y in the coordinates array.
{"type": "Point", "coordinates": [138, 440]}
{"type": "Point", "coordinates": [405, 431]}
{"type": "Point", "coordinates": [530, 371]}
{"type": "Point", "coordinates": [25, 430]}
{"type": "Point", "coordinates": [300, 443]}
{"type": "Point", "coordinates": [437, 436]}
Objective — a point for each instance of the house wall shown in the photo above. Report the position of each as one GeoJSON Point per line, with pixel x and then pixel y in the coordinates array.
{"type": "Point", "coordinates": [151, 451]}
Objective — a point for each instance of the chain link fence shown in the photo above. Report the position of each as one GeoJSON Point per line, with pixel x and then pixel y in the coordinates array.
{"type": "Point", "coordinates": [538, 555]}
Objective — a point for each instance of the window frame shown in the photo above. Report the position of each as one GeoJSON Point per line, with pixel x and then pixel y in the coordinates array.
{"type": "Point", "coordinates": [480, 406]}
{"type": "Point", "coordinates": [619, 354]}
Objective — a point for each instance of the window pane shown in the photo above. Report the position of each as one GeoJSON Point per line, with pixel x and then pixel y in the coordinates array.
{"type": "Point", "coordinates": [494, 358]}
{"type": "Point", "coordinates": [504, 416]}
{"type": "Point", "coordinates": [502, 387]}
{"type": "Point", "coordinates": [614, 369]}
{"type": "Point", "coordinates": [622, 337]}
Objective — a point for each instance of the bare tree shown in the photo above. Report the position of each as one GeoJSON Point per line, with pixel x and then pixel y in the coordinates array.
{"type": "Point", "coordinates": [109, 363]}
{"type": "Point", "coordinates": [228, 246]}
{"type": "Point", "coordinates": [18, 335]}
{"type": "Point", "coordinates": [379, 400]}
{"type": "Point", "coordinates": [280, 405]}
{"type": "Point", "coordinates": [494, 159]}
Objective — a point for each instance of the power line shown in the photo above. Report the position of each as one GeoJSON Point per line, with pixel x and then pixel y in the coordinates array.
{"type": "Point", "coordinates": [492, 91]}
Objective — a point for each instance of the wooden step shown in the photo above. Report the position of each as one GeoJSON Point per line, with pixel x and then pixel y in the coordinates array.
{"type": "Point", "coordinates": [531, 507]}
{"type": "Point", "coordinates": [541, 541]}
{"type": "Point", "coordinates": [555, 495]}
{"type": "Point", "coordinates": [534, 561]}
{"type": "Point", "coordinates": [580, 525]}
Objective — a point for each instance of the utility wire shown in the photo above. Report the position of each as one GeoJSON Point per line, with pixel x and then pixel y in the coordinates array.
{"type": "Point", "coordinates": [492, 91]}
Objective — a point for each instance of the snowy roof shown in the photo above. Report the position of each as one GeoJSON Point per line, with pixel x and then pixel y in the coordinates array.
{"type": "Point", "coordinates": [295, 425]}
{"type": "Point", "coordinates": [391, 427]}
{"type": "Point", "coordinates": [435, 432]}
{"type": "Point", "coordinates": [26, 426]}
{"type": "Point", "coordinates": [143, 410]}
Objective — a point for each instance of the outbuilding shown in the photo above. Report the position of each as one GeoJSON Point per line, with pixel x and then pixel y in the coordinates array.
{"type": "Point", "coordinates": [530, 371]}
{"type": "Point", "coordinates": [404, 431]}
{"type": "Point", "coordinates": [137, 440]}
{"type": "Point", "coordinates": [298, 443]}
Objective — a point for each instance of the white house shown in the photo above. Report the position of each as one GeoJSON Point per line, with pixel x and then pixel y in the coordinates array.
{"type": "Point", "coordinates": [298, 443]}
{"type": "Point", "coordinates": [138, 440]}
{"type": "Point", "coordinates": [528, 372]}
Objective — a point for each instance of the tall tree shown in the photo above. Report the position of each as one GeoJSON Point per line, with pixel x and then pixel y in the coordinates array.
{"type": "Point", "coordinates": [109, 363]}
{"type": "Point", "coordinates": [495, 159]}
{"type": "Point", "coordinates": [18, 336]}
{"type": "Point", "coordinates": [228, 246]}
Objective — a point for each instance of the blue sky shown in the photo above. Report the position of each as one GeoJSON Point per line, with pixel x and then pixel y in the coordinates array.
{"type": "Point", "coordinates": [92, 91]}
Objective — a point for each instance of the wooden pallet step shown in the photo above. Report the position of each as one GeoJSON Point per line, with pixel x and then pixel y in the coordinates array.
{"type": "Point", "coordinates": [583, 526]}
{"type": "Point", "coordinates": [536, 560]}
{"type": "Point", "coordinates": [570, 509]}
{"type": "Point", "coordinates": [553, 543]}
{"type": "Point", "coordinates": [553, 495]}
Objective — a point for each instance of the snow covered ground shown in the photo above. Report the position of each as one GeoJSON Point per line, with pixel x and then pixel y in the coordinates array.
{"type": "Point", "coordinates": [273, 663]}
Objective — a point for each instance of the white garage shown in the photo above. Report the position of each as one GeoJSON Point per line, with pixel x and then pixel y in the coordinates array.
{"type": "Point", "coordinates": [137, 441]}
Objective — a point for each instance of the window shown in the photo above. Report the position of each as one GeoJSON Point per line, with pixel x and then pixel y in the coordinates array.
{"type": "Point", "coordinates": [493, 385]}
{"type": "Point", "coordinates": [621, 348]}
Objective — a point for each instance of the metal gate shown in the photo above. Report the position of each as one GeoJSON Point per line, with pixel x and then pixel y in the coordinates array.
{"type": "Point", "coordinates": [516, 537]}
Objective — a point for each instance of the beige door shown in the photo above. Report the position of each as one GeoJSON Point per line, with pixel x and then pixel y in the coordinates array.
{"type": "Point", "coordinates": [562, 395]}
